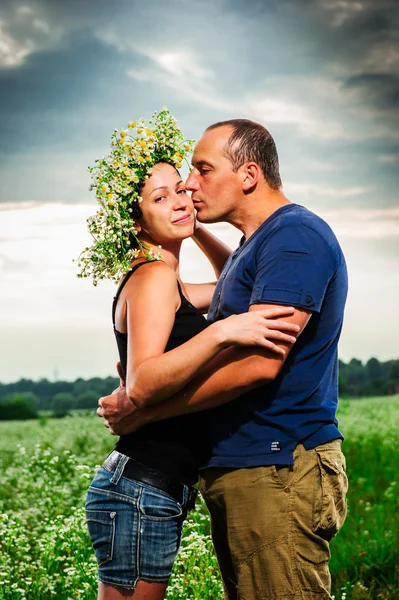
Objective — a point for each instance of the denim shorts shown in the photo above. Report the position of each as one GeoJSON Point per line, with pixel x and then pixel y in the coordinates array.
{"type": "Point", "coordinates": [135, 528]}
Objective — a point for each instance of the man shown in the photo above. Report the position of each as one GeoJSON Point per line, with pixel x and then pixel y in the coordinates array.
{"type": "Point", "coordinates": [275, 484]}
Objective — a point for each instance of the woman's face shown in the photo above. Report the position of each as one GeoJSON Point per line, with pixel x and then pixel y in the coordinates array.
{"type": "Point", "coordinates": [168, 212]}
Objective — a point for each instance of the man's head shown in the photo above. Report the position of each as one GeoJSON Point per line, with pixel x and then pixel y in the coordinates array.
{"type": "Point", "coordinates": [232, 160]}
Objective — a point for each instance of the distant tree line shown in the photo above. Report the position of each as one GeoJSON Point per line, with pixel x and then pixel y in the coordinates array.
{"type": "Point", "coordinates": [25, 398]}
{"type": "Point", "coordinates": [374, 378]}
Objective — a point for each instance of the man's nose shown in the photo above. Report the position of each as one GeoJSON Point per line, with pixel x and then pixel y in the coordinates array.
{"type": "Point", "coordinates": [192, 183]}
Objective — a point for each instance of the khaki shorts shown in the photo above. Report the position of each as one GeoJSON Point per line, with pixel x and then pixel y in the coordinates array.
{"type": "Point", "coordinates": [271, 525]}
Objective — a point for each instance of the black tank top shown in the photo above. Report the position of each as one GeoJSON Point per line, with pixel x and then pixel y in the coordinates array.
{"type": "Point", "coordinates": [176, 446]}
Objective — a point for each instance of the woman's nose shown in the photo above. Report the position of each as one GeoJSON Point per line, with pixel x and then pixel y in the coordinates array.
{"type": "Point", "coordinates": [181, 201]}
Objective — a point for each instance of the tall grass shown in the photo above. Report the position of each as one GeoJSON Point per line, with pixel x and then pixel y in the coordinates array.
{"type": "Point", "coordinates": [44, 547]}
{"type": "Point", "coordinates": [365, 555]}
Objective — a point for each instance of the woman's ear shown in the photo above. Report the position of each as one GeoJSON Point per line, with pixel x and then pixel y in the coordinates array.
{"type": "Point", "coordinates": [250, 174]}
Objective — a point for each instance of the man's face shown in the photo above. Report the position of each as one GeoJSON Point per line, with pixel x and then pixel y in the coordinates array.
{"type": "Point", "coordinates": [215, 187]}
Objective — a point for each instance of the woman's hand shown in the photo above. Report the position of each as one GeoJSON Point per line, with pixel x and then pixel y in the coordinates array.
{"type": "Point", "coordinates": [258, 328]}
{"type": "Point", "coordinates": [196, 223]}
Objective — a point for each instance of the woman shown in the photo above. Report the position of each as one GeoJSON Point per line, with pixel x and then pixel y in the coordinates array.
{"type": "Point", "coordinates": [139, 498]}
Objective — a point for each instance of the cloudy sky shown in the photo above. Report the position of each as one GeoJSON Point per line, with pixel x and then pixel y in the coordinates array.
{"type": "Point", "coordinates": [322, 75]}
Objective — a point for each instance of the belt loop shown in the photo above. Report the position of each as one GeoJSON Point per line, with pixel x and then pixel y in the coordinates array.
{"type": "Point", "coordinates": [119, 469]}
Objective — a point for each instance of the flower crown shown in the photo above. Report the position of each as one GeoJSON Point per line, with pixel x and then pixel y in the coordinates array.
{"type": "Point", "coordinates": [117, 180]}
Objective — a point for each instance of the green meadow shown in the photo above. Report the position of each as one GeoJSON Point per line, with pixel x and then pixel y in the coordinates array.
{"type": "Point", "coordinates": [47, 464]}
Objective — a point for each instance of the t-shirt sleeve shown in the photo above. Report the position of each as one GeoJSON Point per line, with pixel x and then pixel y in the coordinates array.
{"type": "Point", "coordinates": [293, 267]}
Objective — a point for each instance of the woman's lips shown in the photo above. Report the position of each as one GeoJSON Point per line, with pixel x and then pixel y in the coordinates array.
{"type": "Point", "coordinates": [183, 220]}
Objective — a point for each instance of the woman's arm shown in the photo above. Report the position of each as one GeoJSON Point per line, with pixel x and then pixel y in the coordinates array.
{"type": "Point", "coordinates": [151, 302]}
{"type": "Point", "coordinates": [229, 375]}
{"type": "Point", "coordinates": [214, 249]}
{"type": "Point", "coordinates": [217, 253]}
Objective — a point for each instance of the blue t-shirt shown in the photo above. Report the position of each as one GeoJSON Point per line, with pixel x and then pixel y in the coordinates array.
{"type": "Point", "coordinates": [293, 259]}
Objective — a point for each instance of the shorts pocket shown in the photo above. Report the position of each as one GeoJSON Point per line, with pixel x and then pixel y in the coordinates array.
{"type": "Point", "coordinates": [159, 506]}
{"type": "Point", "coordinates": [330, 505]}
{"type": "Point", "coordinates": [101, 525]}
{"type": "Point", "coordinates": [284, 474]}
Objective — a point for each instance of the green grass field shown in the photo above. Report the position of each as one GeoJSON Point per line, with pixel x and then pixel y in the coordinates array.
{"type": "Point", "coordinates": [46, 466]}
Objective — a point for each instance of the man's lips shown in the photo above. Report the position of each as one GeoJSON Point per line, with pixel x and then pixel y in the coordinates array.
{"type": "Point", "coordinates": [182, 220]}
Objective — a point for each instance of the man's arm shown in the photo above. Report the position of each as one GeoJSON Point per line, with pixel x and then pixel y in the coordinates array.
{"type": "Point", "coordinates": [232, 373]}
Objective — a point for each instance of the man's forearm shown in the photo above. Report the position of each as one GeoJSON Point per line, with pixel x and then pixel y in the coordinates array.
{"type": "Point", "coordinates": [233, 373]}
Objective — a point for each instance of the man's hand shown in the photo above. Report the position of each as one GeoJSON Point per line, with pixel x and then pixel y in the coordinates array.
{"type": "Point", "coordinates": [119, 413]}
{"type": "Point", "coordinates": [115, 407]}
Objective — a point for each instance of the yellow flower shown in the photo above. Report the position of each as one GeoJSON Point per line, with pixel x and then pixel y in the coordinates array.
{"type": "Point", "coordinates": [140, 130]}
{"type": "Point", "coordinates": [142, 144]}
{"type": "Point", "coordinates": [104, 188]}
{"type": "Point", "coordinates": [133, 124]}
{"type": "Point", "coordinates": [140, 159]}
{"type": "Point", "coordinates": [122, 134]}
{"type": "Point", "coordinates": [110, 203]}
{"type": "Point", "coordinates": [110, 196]}
{"type": "Point", "coordinates": [187, 147]}
{"type": "Point", "coordinates": [148, 158]}
{"type": "Point", "coordinates": [115, 164]}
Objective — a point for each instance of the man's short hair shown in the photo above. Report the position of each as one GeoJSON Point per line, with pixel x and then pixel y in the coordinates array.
{"type": "Point", "coordinates": [251, 142]}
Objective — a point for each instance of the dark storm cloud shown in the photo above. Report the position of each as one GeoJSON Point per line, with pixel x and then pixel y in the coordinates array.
{"type": "Point", "coordinates": [51, 96]}
{"type": "Point", "coordinates": [318, 73]}
{"type": "Point", "coordinates": [380, 88]}
{"type": "Point", "coordinates": [353, 41]}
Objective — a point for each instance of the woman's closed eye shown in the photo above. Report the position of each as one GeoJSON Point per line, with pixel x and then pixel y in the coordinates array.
{"type": "Point", "coordinates": [160, 198]}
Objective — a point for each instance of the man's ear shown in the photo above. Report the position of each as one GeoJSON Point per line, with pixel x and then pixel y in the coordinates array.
{"type": "Point", "coordinates": [250, 174]}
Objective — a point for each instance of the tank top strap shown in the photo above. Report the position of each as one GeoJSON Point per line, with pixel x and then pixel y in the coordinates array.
{"type": "Point", "coordinates": [122, 285]}
{"type": "Point", "coordinates": [183, 297]}
{"type": "Point", "coordinates": [180, 290]}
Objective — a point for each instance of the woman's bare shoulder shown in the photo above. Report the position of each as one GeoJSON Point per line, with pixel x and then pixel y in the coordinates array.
{"type": "Point", "coordinates": [153, 276]}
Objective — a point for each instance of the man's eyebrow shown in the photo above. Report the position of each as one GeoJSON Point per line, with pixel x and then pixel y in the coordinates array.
{"type": "Point", "coordinates": [201, 163]}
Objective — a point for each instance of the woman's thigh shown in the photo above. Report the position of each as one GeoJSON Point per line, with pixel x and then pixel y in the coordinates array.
{"type": "Point", "coordinates": [135, 530]}
{"type": "Point", "coordinates": [142, 591]}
